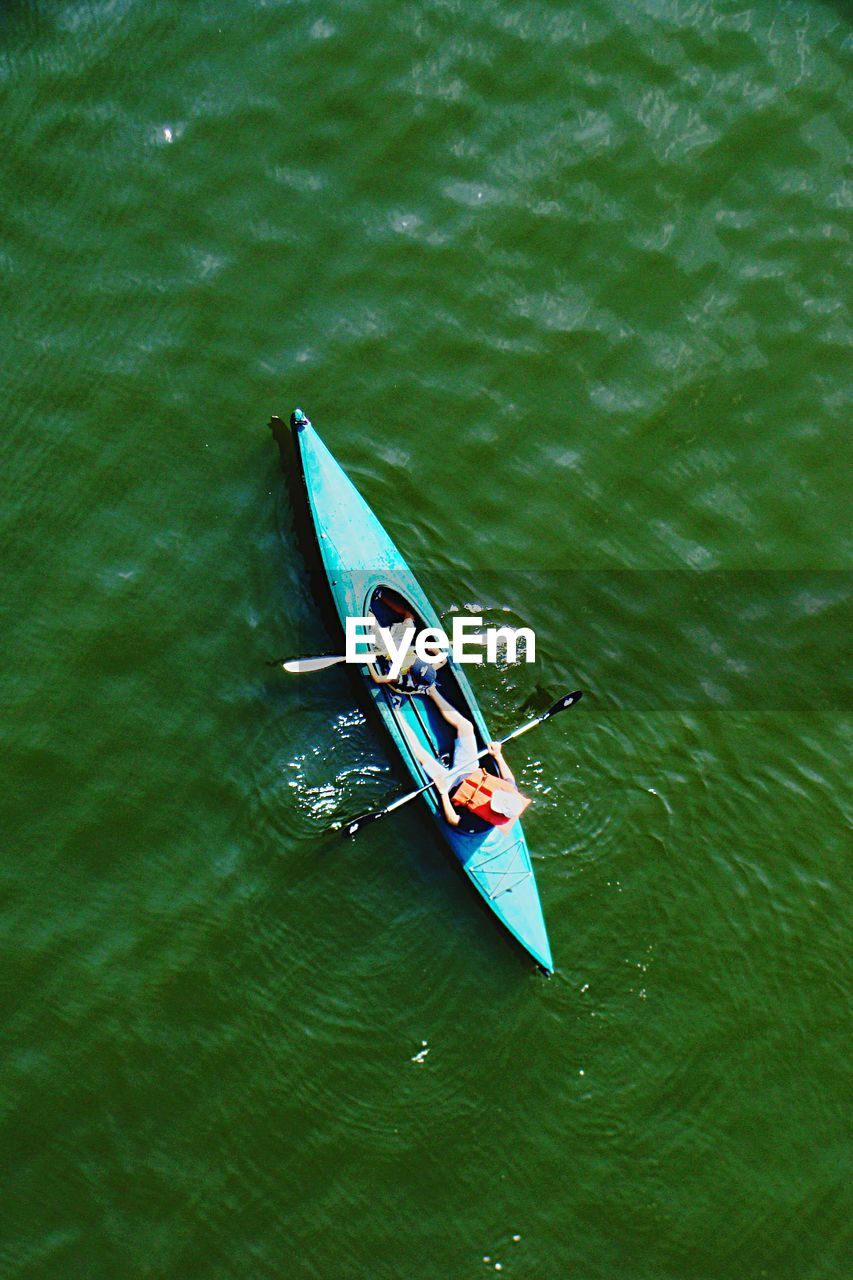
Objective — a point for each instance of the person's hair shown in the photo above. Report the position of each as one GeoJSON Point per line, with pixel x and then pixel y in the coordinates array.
{"type": "Point", "coordinates": [436, 651]}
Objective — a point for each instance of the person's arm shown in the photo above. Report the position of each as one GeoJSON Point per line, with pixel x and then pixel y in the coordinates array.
{"type": "Point", "coordinates": [449, 812]}
{"type": "Point", "coordinates": [506, 773]}
{"type": "Point", "coordinates": [377, 676]}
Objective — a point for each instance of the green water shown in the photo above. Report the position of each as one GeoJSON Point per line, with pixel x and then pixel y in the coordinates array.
{"type": "Point", "coordinates": [563, 287]}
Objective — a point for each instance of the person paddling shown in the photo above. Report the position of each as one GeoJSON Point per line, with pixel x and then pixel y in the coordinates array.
{"type": "Point", "coordinates": [464, 784]}
{"type": "Point", "coordinates": [415, 675]}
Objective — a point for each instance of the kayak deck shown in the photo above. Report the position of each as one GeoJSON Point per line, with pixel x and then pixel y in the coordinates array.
{"type": "Point", "coordinates": [358, 556]}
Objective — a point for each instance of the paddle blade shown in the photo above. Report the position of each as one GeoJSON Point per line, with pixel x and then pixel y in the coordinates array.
{"type": "Point", "coordinates": [352, 828]}
{"type": "Point", "coordinates": [300, 666]}
{"type": "Point", "coordinates": [567, 700]}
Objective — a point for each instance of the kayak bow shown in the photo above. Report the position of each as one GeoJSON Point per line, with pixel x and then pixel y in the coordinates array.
{"type": "Point", "coordinates": [359, 559]}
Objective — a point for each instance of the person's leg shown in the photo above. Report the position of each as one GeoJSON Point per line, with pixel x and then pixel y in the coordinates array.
{"type": "Point", "coordinates": [433, 768]}
{"type": "Point", "coordinates": [465, 745]}
{"type": "Point", "coordinates": [461, 724]}
{"type": "Point", "coordinates": [465, 758]}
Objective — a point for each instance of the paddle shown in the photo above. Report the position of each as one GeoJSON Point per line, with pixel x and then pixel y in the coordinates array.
{"type": "Point", "coordinates": [301, 666]}
{"type": "Point", "coordinates": [567, 700]}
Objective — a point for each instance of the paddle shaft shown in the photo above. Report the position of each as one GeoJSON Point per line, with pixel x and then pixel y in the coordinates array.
{"type": "Point", "coordinates": [302, 666]}
{"type": "Point", "coordinates": [568, 700]}
{"type": "Point", "coordinates": [516, 733]}
{"type": "Point", "coordinates": [414, 794]}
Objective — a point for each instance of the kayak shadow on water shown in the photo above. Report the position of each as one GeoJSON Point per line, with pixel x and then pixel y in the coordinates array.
{"type": "Point", "coordinates": [365, 793]}
{"type": "Point", "coordinates": [304, 536]}
{"type": "Point", "coordinates": [314, 572]}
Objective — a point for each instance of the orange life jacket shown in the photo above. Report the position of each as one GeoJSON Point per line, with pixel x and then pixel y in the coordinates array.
{"type": "Point", "coordinates": [476, 792]}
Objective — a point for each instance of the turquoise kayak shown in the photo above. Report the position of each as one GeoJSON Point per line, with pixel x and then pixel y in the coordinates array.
{"type": "Point", "coordinates": [359, 560]}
